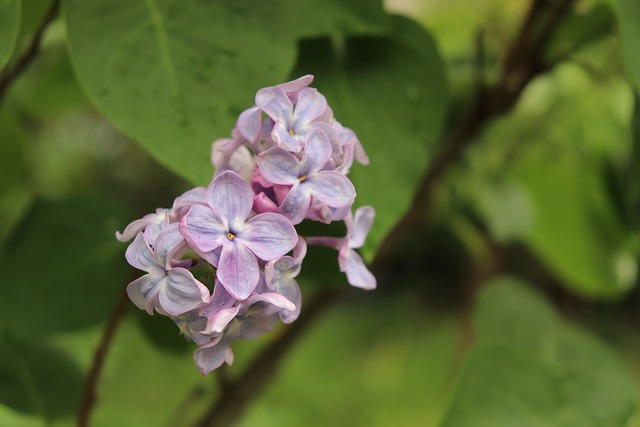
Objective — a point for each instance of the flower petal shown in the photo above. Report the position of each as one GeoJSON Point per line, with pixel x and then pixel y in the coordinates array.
{"type": "Point", "coordinates": [143, 291]}
{"type": "Point", "coordinates": [331, 188]}
{"type": "Point", "coordinates": [212, 356]}
{"type": "Point", "coordinates": [357, 273]}
{"type": "Point", "coordinates": [293, 88]}
{"type": "Point", "coordinates": [316, 153]}
{"type": "Point", "coordinates": [274, 101]}
{"type": "Point", "coordinates": [231, 197]}
{"type": "Point", "coordinates": [285, 140]}
{"type": "Point", "coordinates": [203, 228]}
{"type": "Point", "coordinates": [361, 226]}
{"type": "Point", "coordinates": [279, 166]}
{"type": "Point", "coordinates": [221, 318]}
{"type": "Point", "coordinates": [294, 207]}
{"type": "Point", "coordinates": [268, 235]}
{"type": "Point", "coordinates": [140, 255]}
{"type": "Point", "coordinates": [238, 270]}
{"type": "Point", "coordinates": [183, 203]}
{"type": "Point", "coordinates": [249, 124]}
{"type": "Point", "coordinates": [311, 105]}
{"type": "Point", "coordinates": [181, 292]}
{"type": "Point", "coordinates": [168, 243]}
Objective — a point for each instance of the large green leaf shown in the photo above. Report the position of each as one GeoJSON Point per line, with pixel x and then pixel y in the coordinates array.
{"type": "Point", "coordinates": [9, 29]}
{"type": "Point", "coordinates": [533, 369]}
{"type": "Point", "coordinates": [62, 267]}
{"type": "Point", "coordinates": [629, 23]}
{"type": "Point", "coordinates": [174, 75]}
{"type": "Point", "coordinates": [392, 92]}
{"type": "Point", "coordinates": [38, 379]}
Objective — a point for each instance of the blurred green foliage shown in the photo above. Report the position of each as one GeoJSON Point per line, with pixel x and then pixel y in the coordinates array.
{"type": "Point", "coordinates": [548, 193]}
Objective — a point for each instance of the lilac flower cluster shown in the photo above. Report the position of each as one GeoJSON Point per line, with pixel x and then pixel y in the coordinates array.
{"type": "Point", "coordinates": [286, 162]}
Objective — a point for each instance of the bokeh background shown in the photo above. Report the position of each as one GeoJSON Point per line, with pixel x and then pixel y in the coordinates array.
{"type": "Point", "coordinates": [515, 303]}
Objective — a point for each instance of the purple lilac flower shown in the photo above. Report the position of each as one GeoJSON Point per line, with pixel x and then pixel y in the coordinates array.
{"type": "Point", "coordinates": [224, 223]}
{"type": "Point", "coordinates": [286, 161]}
{"type": "Point", "coordinates": [150, 224]}
{"type": "Point", "coordinates": [306, 177]}
{"type": "Point", "coordinates": [292, 122]}
{"type": "Point", "coordinates": [171, 290]}
{"type": "Point", "coordinates": [280, 277]}
{"type": "Point", "coordinates": [253, 317]}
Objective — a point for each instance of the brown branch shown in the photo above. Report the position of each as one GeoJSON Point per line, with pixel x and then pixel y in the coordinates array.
{"type": "Point", "coordinates": [238, 393]}
{"type": "Point", "coordinates": [89, 393]}
{"type": "Point", "coordinates": [523, 62]}
{"type": "Point", "coordinates": [9, 75]}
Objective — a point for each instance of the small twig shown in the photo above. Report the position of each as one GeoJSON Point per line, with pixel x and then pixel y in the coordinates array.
{"type": "Point", "coordinates": [10, 74]}
{"type": "Point", "coordinates": [237, 394]}
{"type": "Point", "coordinates": [89, 393]}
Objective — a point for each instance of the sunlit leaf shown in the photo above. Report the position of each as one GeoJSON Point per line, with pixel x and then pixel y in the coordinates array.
{"type": "Point", "coordinates": [9, 29]}
{"type": "Point", "coordinates": [532, 368]}
{"type": "Point", "coordinates": [62, 267]}
{"type": "Point", "coordinates": [175, 75]}
{"type": "Point", "coordinates": [392, 92]}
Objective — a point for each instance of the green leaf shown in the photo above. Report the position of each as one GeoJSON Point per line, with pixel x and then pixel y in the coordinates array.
{"type": "Point", "coordinates": [14, 193]}
{"type": "Point", "coordinates": [38, 379]}
{"type": "Point", "coordinates": [628, 12]}
{"type": "Point", "coordinates": [9, 29]}
{"type": "Point", "coordinates": [533, 369]}
{"type": "Point", "coordinates": [580, 29]}
{"type": "Point", "coordinates": [392, 92]}
{"type": "Point", "coordinates": [48, 88]}
{"type": "Point", "coordinates": [62, 267]}
{"type": "Point", "coordinates": [174, 76]}
{"type": "Point", "coordinates": [559, 148]}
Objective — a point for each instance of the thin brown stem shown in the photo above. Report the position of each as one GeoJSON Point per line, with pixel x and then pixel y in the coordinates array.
{"type": "Point", "coordinates": [10, 74]}
{"type": "Point", "coordinates": [89, 393]}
